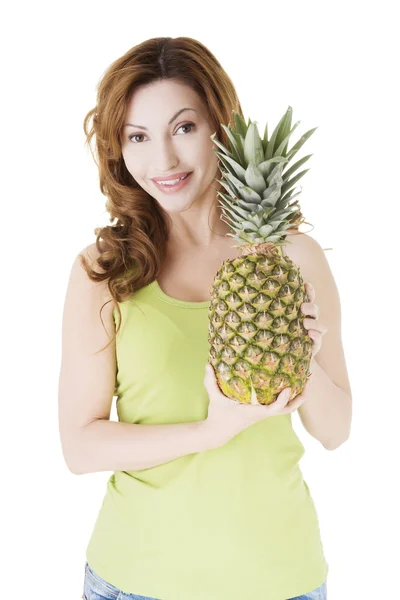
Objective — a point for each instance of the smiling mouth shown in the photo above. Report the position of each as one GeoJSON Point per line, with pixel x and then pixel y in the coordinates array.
{"type": "Point", "coordinates": [169, 188]}
{"type": "Point", "coordinates": [168, 182]}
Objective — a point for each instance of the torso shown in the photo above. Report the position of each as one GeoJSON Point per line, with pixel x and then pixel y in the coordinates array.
{"type": "Point", "coordinates": [189, 276]}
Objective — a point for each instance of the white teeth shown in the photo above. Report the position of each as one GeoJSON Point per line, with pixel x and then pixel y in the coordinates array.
{"type": "Point", "coordinates": [173, 182]}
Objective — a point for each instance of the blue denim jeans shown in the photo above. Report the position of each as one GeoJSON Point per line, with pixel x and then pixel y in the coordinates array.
{"type": "Point", "coordinates": [96, 588]}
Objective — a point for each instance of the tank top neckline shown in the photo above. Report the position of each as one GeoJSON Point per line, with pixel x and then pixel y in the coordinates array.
{"type": "Point", "coordinates": [156, 289]}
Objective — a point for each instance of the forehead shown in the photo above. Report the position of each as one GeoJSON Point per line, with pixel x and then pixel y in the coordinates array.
{"type": "Point", "coordinates": [159, 101]}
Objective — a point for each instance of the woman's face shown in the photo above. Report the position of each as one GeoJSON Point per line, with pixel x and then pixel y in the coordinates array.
{"type": "Point", "coordinates": [166, 148]}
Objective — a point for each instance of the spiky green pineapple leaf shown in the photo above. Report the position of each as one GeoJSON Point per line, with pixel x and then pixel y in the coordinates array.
{"type": "Point", "coordinates": [267, 166]}
{"type": "Point", "coordinates": [265, 230]}
{"type": "Point", "coordinates": [236, 168]}
{"type": "Point", "coordinates": [254, 178]}
{"type": "Point", "coordinates": [256, 219]}
{"type": "Point", "coordinates": [265, 138]}
{"type": "Point", "coordinates": [245, 192]}
{"type": "Point", "coordinates": [291, 182]}
{"type": "Point", "coordinates": [281, 148]}
{"type": "Point", "coordinates": [274, 224]}
{"type": "Point", "coordinates": [282, 227]}
{"type": "Point", "coordinates": [296, 165]}
{"type": "Point", "coordinates": [249, 206]}
{"type": "Point", "coordinates": [249, 225]}
{"type": "Point", "coordinates": [249, 237]}
{"type": "Point", "coordinates": [299, 144]}
{"type": "Point", "coordinates": [240, 124]}
{"type": "Point", "coordinates": [228, 220]}
{"type": "Point", "coordinates": [281, 214]}
{"type": "Point", "coordinates": [230, 180]}
{"type": "Point", "coordinates": [239, 216]}
{"type": "Point", "coordinates": [224, 160]}
{"type": "Point", "coordinates": [235, 150]}
{"type": "Point", "coordinates": [285, 119]}
{"type": "Point", "coordinates": [229, 187]}
{"type": "Point", "coordinates": [234, 207]}
{"type": "Point", "coordinates": [276, 175]}
{"type": "Point", "coordinates": [253, 149]}
{"type": "Point", "coordinates": [227, 213]}
{"type": "Point", "coordinates": [267, 204]}
{"type": "Point", "coordinates": [272, 194]}
{"type": "Point", "coordinates": [240, 141]}
{"type": "Point", "coordinates": [284, 132]}
{"type": "Point", "coordinates": [216, 141]}
{"type": "Point", "coordinates": [285, 199]}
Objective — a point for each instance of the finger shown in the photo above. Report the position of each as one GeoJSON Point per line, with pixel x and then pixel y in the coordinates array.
{"type": "Point", "coordinates": [277, 406]}
{"type": "Point", "coordinates": [285, 395]}
{"type": "Point", "coordinates": [295, 403]}
{"type": "Point", "coordinates": [300, 398]}
{"type": "Point", "coordinates": [209, 374]}
{"type": "Point", "coordinates": [315, 335]}
{"type": "Point", "coordinates": [310, 291]}
{"type": "Point", "coordinates": [210, 380]}
{"type": "Point", "coordinates": [315, 323]}
{"type": "Point", "coordinates": [310, 309]}
{"type": "Point", "coordinates": [282, 399]}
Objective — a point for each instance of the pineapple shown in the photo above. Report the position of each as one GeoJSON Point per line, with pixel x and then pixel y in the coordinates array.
{"type": "Point", "coordinates": [258, 344]}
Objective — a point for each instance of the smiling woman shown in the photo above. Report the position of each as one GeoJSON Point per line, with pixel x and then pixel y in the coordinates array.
{"type": "Point", "coordinates": [190, 511]}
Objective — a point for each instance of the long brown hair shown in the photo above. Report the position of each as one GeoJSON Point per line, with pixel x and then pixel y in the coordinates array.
{"type": "Point", "coordinates": [132, 250]}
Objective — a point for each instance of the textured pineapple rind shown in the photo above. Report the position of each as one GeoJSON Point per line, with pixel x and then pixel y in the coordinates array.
{"type": "Point", "coordinates": [256, 334]}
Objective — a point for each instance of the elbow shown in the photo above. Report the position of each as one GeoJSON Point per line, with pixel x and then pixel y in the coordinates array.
{"type": "Point", "coordinates": [75, 471]}
{"type": "Point", "coordinates": [74, 453]}
{"type": "Point", "coordinates": [73, 464]}
{"type": "Point", "coordinates": [333, 445]}
{"type": "Point", "coordinates": [77, 465]}
{"type": "Point", "coordinates": [73, 467]}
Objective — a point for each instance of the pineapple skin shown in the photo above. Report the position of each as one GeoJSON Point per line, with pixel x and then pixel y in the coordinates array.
{"type": "Point", "coordinates": [258, 344]}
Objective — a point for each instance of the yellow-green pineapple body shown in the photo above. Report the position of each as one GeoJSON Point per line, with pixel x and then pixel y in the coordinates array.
{"type": "Point", "coordinates": [258, 343]}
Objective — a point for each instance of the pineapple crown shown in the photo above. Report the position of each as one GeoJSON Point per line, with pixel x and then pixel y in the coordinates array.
{"type": "Point", "coordinates": [260, 204]}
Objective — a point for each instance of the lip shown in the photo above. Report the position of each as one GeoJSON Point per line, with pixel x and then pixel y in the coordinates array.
{"type": "Point", "coordinates": [170, 189]}
{"type": "Point", "coordinates": [175, 176]}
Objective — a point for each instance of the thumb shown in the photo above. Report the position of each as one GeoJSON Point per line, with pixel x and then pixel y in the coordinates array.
{"type": "Point", "coordinates": [209, 379]}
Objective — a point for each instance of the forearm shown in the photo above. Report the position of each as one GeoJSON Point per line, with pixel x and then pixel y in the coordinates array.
{"type": "Point", "coordinates": [115, 446]}
{"type": "Point", "coordinates": [326, 414]}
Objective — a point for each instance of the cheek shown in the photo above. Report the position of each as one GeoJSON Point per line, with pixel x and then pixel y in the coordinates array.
{"type": "Point", "coordinates": [206, 159]}
{"type": "Point", "coordinates": [133, 166]}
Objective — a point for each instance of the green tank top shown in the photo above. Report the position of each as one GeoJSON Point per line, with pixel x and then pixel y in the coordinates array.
{"type": "Point", "coordinates": [223, 524]}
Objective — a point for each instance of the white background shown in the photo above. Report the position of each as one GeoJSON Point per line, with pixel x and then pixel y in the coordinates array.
{"type": "Point", "coordinates": [335, 64]}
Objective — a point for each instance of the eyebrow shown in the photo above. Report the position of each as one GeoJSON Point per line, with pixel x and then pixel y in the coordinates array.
{"type": "Point", "coordinates": [169, 122]}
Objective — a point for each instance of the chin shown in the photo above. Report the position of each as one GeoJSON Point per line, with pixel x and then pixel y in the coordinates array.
{"type": "Point", "coordinates": [176, 207]}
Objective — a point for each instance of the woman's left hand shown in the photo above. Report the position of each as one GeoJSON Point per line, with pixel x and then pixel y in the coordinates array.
{"type": "Point", "coordinates": [315, 328]}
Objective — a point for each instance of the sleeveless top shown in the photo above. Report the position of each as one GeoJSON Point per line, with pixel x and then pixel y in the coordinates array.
{"type": "Point", "coordinates": [233, 522]}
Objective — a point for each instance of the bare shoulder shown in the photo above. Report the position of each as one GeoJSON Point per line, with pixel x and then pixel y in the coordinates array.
{"type": "Point", "coordinates": [302, 247]}
{"type": "Point", "coordinates": [91, 254]}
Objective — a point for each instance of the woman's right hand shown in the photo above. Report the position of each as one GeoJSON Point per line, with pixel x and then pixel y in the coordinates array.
{"type": "Point", "coordinates": [226, 418]}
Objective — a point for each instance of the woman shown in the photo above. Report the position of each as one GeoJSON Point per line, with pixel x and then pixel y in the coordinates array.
{"type": "Point", "coordinates": [206, 501]}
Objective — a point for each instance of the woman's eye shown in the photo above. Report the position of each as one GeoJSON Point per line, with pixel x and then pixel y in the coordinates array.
{"type": "Point", "coordinates": [135, 135]}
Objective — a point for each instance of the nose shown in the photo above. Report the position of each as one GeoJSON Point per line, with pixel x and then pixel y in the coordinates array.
{"type": "Point", "coordinates": [165, 157]}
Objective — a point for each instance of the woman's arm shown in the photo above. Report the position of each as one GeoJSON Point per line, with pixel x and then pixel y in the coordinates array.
{"type": "Point", "coordinates": [90, 441]}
